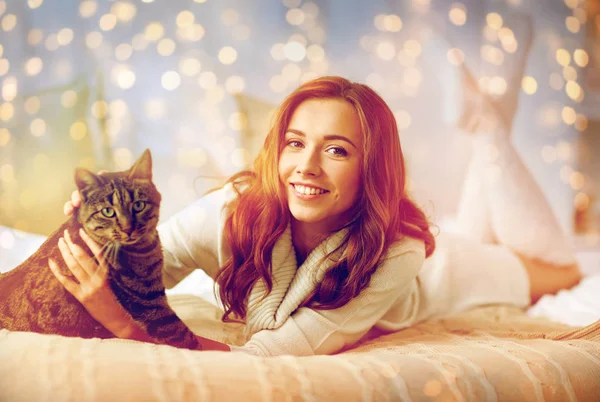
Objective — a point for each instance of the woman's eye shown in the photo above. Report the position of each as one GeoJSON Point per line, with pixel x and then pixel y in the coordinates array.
{"type": "Point", "coordinates": [108, 212]}
{"type": "Point", "coordinates": [294, 144]}
{"type": "Point", "coordinates": [139, 206]}
{"type": "Point", "coordinates": [338, 151]}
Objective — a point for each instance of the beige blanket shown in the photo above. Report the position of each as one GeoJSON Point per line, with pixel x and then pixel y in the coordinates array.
{"type": "Point", "coordinates": [489, 354]}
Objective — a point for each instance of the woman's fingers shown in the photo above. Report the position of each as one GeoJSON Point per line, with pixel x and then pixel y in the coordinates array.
{"type": "Point", "coordinates": [86, 261]}
{"type": "Point", "coordinates": [68, 283]}
{"type": "Point", "coordinates": [72, 204]}
{"type": "Point", "coordinates": [71, 253]}
{"type": "Point", "coordinates": [76, 199]}
{"type": "Point", "coordinates": [102, 269]}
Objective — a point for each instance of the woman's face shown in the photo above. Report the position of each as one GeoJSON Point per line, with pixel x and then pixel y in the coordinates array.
{"type": "Point", "coordinates": [320, 162]}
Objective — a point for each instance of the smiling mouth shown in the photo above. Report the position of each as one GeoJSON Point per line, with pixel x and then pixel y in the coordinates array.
{"type": "Point", "coordinates": [307, 195]}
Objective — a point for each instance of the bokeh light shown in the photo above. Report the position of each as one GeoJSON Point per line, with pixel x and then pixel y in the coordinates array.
{"type": "Point", "coordinates": [207, 80]}
{"type": "Point", "coordinates": [294, 51]}
{"type": "Point", "coordinates": [51, 43]}
{"type": "Point", "coordinates": [573, 24]}
{"type": "Point", "coordinates": [33, 4]}
{"type": "Point", "coordinates": [568, 115]}
{"type": "Point", "coordinates": [10, 88]}
{"type": "Point", "coordinates": [385, 50]}
{"type": "Point", "coordinates": [227, 55]}
{"type": "Point", "coordinates": [93, 40]}
{"type": "Point", "coordinates": [235, 84]}
{"type": "Point", "coordinates": [64, 36]}
{"type": "Point", "coordinates": [124, 12]}
{"type": "Point", "coordinates": [412, 48]}
{"type": "Point", "coordinates": [189, 66]}
{"type": "Point", "coordinates": [33, 66]}
{"type": "Point", "coordinates": [494, 20]}
{"type": "Point", "coordinates": [107, 22]}
{"type": "Point", "coordinates": [32, 105]}
{"type": "Point", "coordinates": [35, 37]}
{"type": "Point", "coordinates": [8, 22]}
{"type": "Point", "coordinates": [563, 57]}
{"type": "Point", "coordinates": [170, 80]}
{"type": "Point", "coordinates": [458, 14]}
{"type": "Point", "coordinates": [581, 57]}
{"type": "Point", "coordinates": [529, 85]}
{"type": "Point", "coordinates": [165, 47]}
{"type": "Point", "coordinates": [574, 91]}
{"type": "Point", "coordinates": [581, 201]}
{"type": "Point", "coordinates": [123, 51]}
{"type": "Point", "coordinates": [154, 31]}
{"type": "Point", "coordinates": [68, 99]}
{"type": "Point", "coordinates": [7, 111]}
{"type": "Point", "coordinates": [185, 19]}
{"type": "Point", "coordinates": [88, 8]}
{"type": "Point", "coordinates": [37, 127]}
{"type": "Point", "coordinates": [78, 130]}
{"type": "Point", "coordinates": [191, 33]}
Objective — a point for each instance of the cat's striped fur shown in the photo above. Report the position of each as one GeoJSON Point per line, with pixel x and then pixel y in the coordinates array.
{"type": "Point", "coordinates": [31, 299]}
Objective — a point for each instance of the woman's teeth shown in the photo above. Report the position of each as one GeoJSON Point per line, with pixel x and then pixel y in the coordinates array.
{"type": "Point", "coordinates": [308, 190]}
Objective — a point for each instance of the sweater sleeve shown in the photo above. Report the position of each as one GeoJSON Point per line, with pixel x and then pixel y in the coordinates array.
{"type": "Point", "coordinates": [311, 332]}
{"type": "Point", "coordinates": [193, 238]}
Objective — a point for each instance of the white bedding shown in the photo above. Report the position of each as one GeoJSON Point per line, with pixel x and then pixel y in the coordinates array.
{"type": "Point", "coordinates": [578, 306]}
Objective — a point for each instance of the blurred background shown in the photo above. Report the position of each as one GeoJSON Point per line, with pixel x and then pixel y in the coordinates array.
{"type": "Point", "coordinates": [94, 83]}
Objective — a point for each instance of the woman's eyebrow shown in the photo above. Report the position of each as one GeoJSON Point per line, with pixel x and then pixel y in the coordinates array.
{"type": "Point", "coordinates": [327, 137]}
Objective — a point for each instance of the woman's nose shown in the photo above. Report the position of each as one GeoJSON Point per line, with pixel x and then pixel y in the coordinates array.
{"type": "Point", "coordinates": [309, 164]}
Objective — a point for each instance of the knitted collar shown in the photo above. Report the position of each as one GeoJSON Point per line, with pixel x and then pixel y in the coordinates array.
{"type": "Point", "coordinates": [291, 284]}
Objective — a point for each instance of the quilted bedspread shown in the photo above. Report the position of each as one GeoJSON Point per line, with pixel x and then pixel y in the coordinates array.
{"type": "Point", "coordinates": [496, 353]}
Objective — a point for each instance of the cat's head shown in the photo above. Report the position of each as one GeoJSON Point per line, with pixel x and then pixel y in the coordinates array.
{"type": "Point", "coordinates": [119, 207]}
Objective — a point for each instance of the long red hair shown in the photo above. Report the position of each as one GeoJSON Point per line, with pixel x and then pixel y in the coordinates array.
{"type": "Point", "coordinates": [383, 214]}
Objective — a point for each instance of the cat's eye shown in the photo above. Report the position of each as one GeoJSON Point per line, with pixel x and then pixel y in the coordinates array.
{"type": "Point", "coordinates": [138, 206]}
{"type": "Point", "coordinates": [108, 212]}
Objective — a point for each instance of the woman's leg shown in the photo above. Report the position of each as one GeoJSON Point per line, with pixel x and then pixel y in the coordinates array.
{"type": "Point", "coordinates": [501, 201]}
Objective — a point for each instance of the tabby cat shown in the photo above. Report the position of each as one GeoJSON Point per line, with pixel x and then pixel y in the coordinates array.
{"type": "Point", "coordinates": [120, 212]}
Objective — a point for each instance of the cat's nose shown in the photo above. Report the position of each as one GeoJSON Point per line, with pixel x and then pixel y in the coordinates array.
{"type": "Point", "coordinates": [127, 230]}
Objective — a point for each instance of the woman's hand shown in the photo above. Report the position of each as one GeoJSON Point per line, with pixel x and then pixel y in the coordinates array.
{"type": "Point", "coordinates": [72, 204]}
{"type": "Point", "coordinates": [75, 201]}
{"type": "Point", "coordinates": [92, 287]}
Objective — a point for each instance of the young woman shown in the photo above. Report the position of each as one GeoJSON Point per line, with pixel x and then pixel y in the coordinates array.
{"type": "Point", "coordinates": [320, 245]}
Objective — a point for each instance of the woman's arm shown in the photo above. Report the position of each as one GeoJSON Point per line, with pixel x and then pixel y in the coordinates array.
{"type": "Point", "coordinates": [393, 289]}
{"type": "Point", "coordinates": [193, 238]}
{"type": "Point", "coordinates": [92, 290]}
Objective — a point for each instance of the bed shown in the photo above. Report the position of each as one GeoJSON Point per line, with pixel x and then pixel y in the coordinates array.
{"type": "Point", "coordinates": [494, 353]}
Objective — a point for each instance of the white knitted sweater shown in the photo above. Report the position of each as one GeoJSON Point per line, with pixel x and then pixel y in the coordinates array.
{"type": "Point", "coordinates": [194, 238]}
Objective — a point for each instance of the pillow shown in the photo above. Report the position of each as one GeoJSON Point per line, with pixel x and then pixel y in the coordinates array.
{"type": "Point", "coordinates": [259, 117]}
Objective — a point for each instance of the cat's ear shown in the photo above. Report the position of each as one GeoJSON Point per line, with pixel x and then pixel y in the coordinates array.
{"type": "Point", "coordinates": [142, 168]}
{"type": "Point", "coordinates": [84, 178]}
